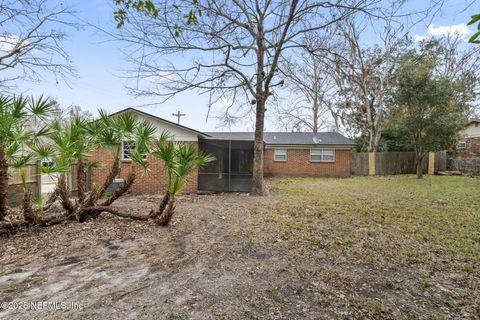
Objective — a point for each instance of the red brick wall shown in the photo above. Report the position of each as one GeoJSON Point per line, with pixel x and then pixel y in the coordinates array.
{"type": "Point", "coordinates": [472, 148]}
{"type": "Point", "coordinates": [298, 164]}
{"type": "Point", "coordinates": [153, 182]}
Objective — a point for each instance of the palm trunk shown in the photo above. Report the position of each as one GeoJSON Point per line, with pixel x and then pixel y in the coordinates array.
{"type": "Point", "coordinates": [96, 193]}
{"type": "Point", "coordinates": [3, 184]}
{"type": "Point", "coordinates": [114, 172]}
{"type": "Point", "coordinates": [64, 195]}
{"type": "Point", "coordinates": [167, 215]}
{"type": "Point", "coordinates": [161, 208]}
{"type": "Point", "coordinates": [51, 199]}
{"type": "Point", "coordinates": [121, 190]}
{"type": "Point", "coordinates": [28, 211]}
{"type": "Point", "coordinates": [81, 181]}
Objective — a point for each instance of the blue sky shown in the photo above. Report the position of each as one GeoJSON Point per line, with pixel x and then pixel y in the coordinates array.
{"type": "Point", "coordinates": [99, 64]}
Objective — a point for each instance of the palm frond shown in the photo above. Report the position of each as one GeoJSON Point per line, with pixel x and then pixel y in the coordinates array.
{"type": "Point", "coordinates": [41, 107]}
{"type": "Point", "coordinates": [21, 161]}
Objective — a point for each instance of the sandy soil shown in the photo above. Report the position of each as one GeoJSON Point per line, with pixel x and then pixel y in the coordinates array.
{"type": "Point", "coordinates": [113, 268]}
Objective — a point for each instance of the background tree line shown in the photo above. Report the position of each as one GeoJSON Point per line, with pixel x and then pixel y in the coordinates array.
{"type": "Point", "coordinates": [308, 61]}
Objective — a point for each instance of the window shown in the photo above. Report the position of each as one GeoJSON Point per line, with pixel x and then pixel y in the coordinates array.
{"type": "Point", "coordinates": [280, 155]}
{"type": "Point", "coordinates": [322, 155]}
{"type": "Point", "coordinates": [127, 148]}
{"type": "Point", "coordinates": [462, 144]}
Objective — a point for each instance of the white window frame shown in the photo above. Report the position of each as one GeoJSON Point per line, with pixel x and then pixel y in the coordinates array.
{"type": "Point", "coordinates": [462, 144]}
{"type": "Point", "coordinates": [279, 152]}
{"type": "Point", "coordinates": [320, 152]}
{"type": "Point", "coordinates": [124, 156]}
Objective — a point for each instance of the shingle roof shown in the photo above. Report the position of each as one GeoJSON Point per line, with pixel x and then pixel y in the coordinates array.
{"type": "Point", "coordinates": [306, 138]}
{"type": "Point", "coordinates": [248, 136]}
{"type": "Point", "coordinates": [287, 138]}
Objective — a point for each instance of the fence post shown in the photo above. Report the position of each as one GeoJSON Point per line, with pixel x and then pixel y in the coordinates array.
{"type": "Point", "coordinates": [371, 163]}
{"type": "Point", "coordinates": [38, 172]}
{"type": "Point", "coordinates": [431, 162]}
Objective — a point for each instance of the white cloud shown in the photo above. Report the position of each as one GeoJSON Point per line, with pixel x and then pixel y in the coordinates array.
{"type": "Point", "coordinates": [456, 30]}
{"type": "Point", "coordinates": [419, 38]}
{"type": "Point", "coordinates": [161, 77]}
{"type": "Point", "coordinates": [8, 42]}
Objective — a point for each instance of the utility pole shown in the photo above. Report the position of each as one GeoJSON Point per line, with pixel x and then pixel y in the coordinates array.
{"type": "Point", "coordinates": [178, 115]}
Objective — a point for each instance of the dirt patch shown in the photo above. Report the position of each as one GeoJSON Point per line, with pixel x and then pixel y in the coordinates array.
{"type": "Point", "coordinates": [304, 255]}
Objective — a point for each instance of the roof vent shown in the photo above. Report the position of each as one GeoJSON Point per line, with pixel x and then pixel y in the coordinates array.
{"type": "Point", "coordinates": [317, 140]}
{"type": "Point", "coordinates": [274, 137]}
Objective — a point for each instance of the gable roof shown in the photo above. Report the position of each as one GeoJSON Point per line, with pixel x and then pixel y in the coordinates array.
{"type": "Point", "coordinates": [287, 138]}
{"type": "Point", "coordinates": [270, 138]}
{"type": "Point", "coordinates": [130, 109]}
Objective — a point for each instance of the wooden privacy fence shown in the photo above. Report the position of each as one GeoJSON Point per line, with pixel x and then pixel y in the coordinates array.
{"type": "Point", "coordinates": [391, 163]}
{"type": "Point", "coordinates": [34, 182]}
{"type": "Point", "coordinates": [15, 185]}
{"type": "Point", "coordinates": [72, 178]}
{"type": "Point", "coordinates": [464, 164]}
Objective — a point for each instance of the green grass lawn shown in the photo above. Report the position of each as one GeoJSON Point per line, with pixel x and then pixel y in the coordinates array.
{"type": "Point", "coordinates": [356, 248]}
{"type": "Point", "coordinates": [382, 246]}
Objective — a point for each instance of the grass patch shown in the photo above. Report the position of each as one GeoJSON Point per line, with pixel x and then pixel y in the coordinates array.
{"type": "Point", "coordinates": [390, 236]}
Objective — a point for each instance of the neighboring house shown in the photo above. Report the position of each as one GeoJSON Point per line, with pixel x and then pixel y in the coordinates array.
{"type": "Point", "coordinates": [470, 144]}
{"type": "Point", "coordinates": [324, 154]}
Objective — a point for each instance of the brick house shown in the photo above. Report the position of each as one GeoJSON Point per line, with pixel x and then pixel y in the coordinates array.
{"type": "Point", "coordinates": [468, 157]}
{"type": "Point", "coordinates": [325, 154]}
{"type": "Point", "coordinates": [470, 144]}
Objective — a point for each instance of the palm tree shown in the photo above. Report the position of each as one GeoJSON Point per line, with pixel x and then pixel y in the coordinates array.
{"type": "Point", "coordinates": [179, 160]}
{"type": "Point", "coordinates": [69, 144]}
{"type": "Point", "coordinates": [22, 123]}
{"type": "Point", "coordinates": [73, 143]}
{"type": "Point", "coordinates": [111, 132]}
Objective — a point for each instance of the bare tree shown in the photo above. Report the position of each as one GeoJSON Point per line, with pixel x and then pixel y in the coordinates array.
{"type": "Point", "coordinates": [233, 51]}
{"type": "Point", "coordinates": [460, 63]}
{"type": "Point", "coordinates": [311, 102]}
{"type": "Point", "coordinates": [63, 115]}
{"type": "Point", "coordinates": [31, 40]}
{"type": "Point", "coordinates": [363, 75]}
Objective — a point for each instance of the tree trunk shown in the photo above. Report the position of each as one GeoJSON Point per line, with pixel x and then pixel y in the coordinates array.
{"type": "Point", "coordinates": [12, 226]}
{"type": "Point", "coordinates": [64, 195]}
{"type": "Point", "coordinates": [257, 178]}
{"type": "Point", "coordinates": [373, 140]}
{"type": "Point", "coordinates": [161, 208]}
{"type": "Point", "coordinates": [420, 168]}
{"type": "Point", "coordinates": [419, 155]}
{"type": "Point", "coordinates": [28, 211]}
{"type": "Point", "coordinates": [3, 184]}
{"type": "Point", "coordinates": [167, 215]}
{"type": "Point", "coordinates": [81, 181]}
{"type": "Point", "coordinates": [95, 212]}
{"type": "Point", "coordinates": [51, 199]}
{"type": "Point", "coordinates": [121, 190]}
{"type": "Point", "coordinates": [97, 192]}
{"type": "Point", "coordinates": [315, 114]}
